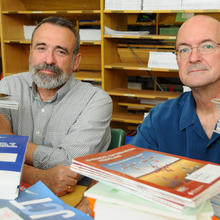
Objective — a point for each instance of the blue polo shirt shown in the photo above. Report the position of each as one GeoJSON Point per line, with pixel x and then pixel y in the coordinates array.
{"type": "Point", "coordinates": [174, 127]}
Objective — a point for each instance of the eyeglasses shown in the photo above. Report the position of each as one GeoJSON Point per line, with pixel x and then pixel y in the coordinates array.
{"type": "Point", "coordinates": [207, 47]}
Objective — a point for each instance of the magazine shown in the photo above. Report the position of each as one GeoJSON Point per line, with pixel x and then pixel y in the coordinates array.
{"type": "Point", "coordinates": [128, 206]}
{"type": "Point", "coordinates": [172, 180]}
{"type": "Point", "coordinates": [38, 202]}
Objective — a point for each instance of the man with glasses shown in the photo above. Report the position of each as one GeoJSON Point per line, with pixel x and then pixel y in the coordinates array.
{"type": "Point", "coordinates": [184, 126]}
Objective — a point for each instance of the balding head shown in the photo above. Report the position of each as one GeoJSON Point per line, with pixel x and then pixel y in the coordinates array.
{"type": "Point", "coordinates": [199, 24]}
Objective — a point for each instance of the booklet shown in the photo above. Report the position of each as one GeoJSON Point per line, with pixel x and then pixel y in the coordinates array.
{"type": "Point", "coordinates": [12, 155]}
{"type": "Point", "coordinates": [172, 180]}
{"type": "Point", "coordinates": [38, 202]}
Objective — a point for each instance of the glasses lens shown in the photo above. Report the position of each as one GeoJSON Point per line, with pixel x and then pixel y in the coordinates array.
{"type": "Point", "coordinates": [207, 47]}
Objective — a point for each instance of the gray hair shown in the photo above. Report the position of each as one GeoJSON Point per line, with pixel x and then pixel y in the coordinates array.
{"type": "Point", "coordinates": [63, 23]}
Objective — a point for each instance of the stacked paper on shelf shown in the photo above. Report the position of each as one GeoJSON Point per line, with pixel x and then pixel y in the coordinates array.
{"type": "Point", "coordinates": [162, 60]}
{"type": "Point", "coordinates": [161, 5]}
{"type": "Point", "coordinates": [174, 181]}
{"type": "Point", "coordinates": [123, 5]}
{"type": "Point", "coordinates": [127, 206]}
{"type": "Point", "coordinates": [109, 31]}
{"type": "Point", "coordinates": [28, 30]}
{"type": "Point", "coordinates": [12, 155]}
{"type": "Point", "coordinates": [200, 4]}
{"type": "Point", "coordinates": [90, 34]}
{"type": "Point", "coordinates": [217, 102]}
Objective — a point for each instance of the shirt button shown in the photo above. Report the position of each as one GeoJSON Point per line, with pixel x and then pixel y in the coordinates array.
{"type": "Point", "coordinates": [42, 110]}
{"type": "Point", "coordinates": [37, 132]}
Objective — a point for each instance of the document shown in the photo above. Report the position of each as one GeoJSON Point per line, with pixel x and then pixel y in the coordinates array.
{"type": "Point", "coordinates": [162, 60]}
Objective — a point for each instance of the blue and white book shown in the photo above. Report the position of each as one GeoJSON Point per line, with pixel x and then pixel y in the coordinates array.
{"type": "Point", "coordinates": [12, 156]}
{"type": "Point", "coordinates": [38, 202]}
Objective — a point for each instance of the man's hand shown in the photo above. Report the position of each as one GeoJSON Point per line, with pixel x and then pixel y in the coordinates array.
{"type": "Point", "coordinates": [60, 179]}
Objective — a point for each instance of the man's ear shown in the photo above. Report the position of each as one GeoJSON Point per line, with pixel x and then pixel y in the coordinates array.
{"type": "Point", "coordinates": [77, 60]}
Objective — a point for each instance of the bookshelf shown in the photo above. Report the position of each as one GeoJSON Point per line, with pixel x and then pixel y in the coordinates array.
{"type": "Point", "coordinates": [111, 62]}
{"type": "Point", "coordinates": [123, 63]}
{"type": "Point", "coordinates": [17, 13]}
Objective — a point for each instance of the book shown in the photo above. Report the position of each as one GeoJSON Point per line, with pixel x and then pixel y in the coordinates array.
{"type": "Point", "coordinates": [38, 202]}
{"type": "Point", "coordinates": [172, 180]}
{"type": "Point", "coordinates": [7, 102]}
{"type": "Point", "coordinates": [12, 156]}
{"type": "Point", "coordinates": [215, 201]}
{"type": "Point", "coordinates": [128, 206]}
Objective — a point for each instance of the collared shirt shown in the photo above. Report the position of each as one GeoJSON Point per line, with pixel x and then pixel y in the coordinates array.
{"type": "Point", "coordinates": [174, 127]}
{"type": "Point", "coordinates": [73, 123]}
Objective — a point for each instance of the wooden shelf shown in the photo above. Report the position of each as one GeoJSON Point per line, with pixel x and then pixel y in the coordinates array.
{"type": "Point", "coordinates": [131, 66]}
{"type": "Point", "coordinates": [127, 117]}
{"type": "Point", "coordinates": [150, 94]}
{"type": "Point", "coordinates": [136, 106]}
{"type": "Point", "coordinates": [150, 36]}
{"type": "Point", "coordinates": [29, 41]}
{"type": "Point", "coordinates": [160, 11]}
{"type": "Point", "coordinates": [88, 76]}
{"type": "Point", "coordinates": [53, 12]}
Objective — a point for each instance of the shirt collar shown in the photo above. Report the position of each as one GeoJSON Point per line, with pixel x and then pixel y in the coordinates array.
{"type": "Point", "coordinates": [187, 117]}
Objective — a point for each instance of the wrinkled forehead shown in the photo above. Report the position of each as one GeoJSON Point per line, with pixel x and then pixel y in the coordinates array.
{"type": "Point", "coordinates": [198, 29]}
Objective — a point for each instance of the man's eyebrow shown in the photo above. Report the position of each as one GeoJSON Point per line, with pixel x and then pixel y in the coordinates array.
{"type": "Point", "coordinates": [39, 44]}
{"type": "Point", "coordinates": [63, 48]}
{"type": "Point", "coordinates": [186, 44]}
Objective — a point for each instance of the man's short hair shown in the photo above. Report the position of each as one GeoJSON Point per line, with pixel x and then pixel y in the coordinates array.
{"type": "Point", "coordinates": [63, 23]}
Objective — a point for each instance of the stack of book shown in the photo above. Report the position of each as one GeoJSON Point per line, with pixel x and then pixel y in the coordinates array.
{"type": "Point", "coordinates": [7, 102]}
{"type": "Point", "coordinates": [123, 5]}
{"type": "Point", "coordinates": [175, 182]}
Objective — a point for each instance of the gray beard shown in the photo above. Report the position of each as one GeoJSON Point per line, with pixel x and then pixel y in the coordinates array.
{"type": "Point", "coordinates": [46, 81]}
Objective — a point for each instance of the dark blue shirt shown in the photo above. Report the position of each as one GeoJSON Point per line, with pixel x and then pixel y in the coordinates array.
{"type": "Point", "coordinates": [174, 127]}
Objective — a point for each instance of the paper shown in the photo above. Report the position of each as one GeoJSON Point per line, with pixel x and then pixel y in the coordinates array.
{"type": "Point", "coordinates": [109, 31]}
{"type": "Point", "coordinates": [162, 60]}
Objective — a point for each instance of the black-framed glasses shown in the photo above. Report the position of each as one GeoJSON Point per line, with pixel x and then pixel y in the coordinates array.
{"type": "Point", "coordinates": [206, 47]}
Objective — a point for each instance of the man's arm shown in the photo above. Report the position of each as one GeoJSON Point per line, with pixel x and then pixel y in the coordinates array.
{"type": "Point", "coordinates": [5, 127]}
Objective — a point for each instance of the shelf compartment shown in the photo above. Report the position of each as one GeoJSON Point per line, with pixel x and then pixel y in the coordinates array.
{"type": "Point", "coordinates": [88, 76]}
{"type": "Point", "coordinates": [149, 94]}
{"type": "Point", "coordinates": [140, 67]}
{"type": "Point", "coordinates": [127, 117]}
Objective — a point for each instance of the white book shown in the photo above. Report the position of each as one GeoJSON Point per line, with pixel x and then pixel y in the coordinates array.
{"type": "Point", "coordinates": [90, 34]}
{"type": "Point", "coordinates": [161, 5]}
{"type": "Point", "coordinates": [200, 4]}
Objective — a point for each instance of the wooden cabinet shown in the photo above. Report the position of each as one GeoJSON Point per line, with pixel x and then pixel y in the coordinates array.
{"type": "Point", "coordinates": [126, 56]}
{"type": "Point", "coordinates": [17, 13]}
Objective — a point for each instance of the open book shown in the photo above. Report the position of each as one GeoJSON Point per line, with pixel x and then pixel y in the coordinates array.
{"type": "Point", "coordinates": [175, 181]}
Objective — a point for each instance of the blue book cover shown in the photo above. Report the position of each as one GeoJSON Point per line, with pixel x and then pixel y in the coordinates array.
{"type": "Point", "coordinates": [38, 202]}
{"type": "Point", "coordinates": [12, 156]}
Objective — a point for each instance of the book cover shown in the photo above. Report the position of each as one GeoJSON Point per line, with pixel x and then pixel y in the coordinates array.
{"type": "Point", "coordinates": [107, 195]}
{"type": "Point", "coordinates": [12, 155]}
{"type": "Point", "coordinates": [38, 202]}
{"type": "Point", "coordinates": [169, 179]}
